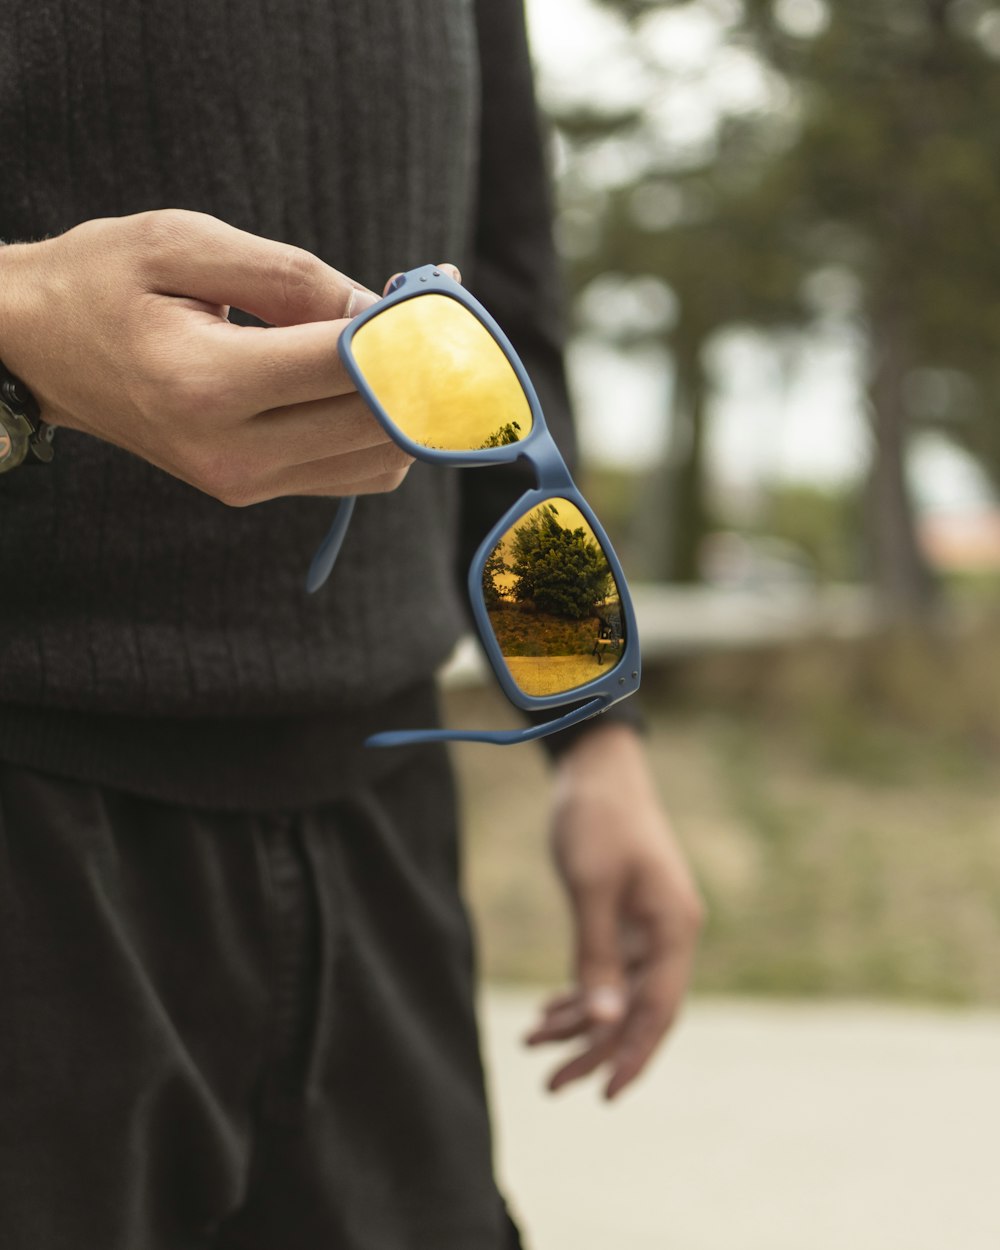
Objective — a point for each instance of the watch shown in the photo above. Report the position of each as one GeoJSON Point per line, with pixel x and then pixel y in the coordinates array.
{"type": "Point", "coordinates": [24, 436]}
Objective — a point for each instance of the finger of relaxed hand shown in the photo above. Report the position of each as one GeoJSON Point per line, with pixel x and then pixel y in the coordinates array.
{"type": "Point", "coordinates": [580, 1026]}
{"type": "Point", "coordinates": [656, 1002]}
{"type": "Point", "coordinates": [565, 1009]}
{"type": "Point", "coordinates": [642, 1034]}
{"type": "Point", "coordinates": [560, 1025]}
{"type": "Point", "coordinates": [585, 1062]}
{"type": "Point", "coordinates": [599, 966]}
{"type": "Point", "coordinates": [557, 1002]}
{"type": "Point", "coordinates": [197, 255]}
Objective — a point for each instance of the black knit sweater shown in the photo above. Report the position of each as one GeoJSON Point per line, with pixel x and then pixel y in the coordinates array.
{"type": "Point", "coordinates": [150, 636]}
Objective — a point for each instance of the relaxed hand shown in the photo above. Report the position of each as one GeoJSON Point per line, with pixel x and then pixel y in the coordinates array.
{"type": "Point", "coordinates": [635, 909]}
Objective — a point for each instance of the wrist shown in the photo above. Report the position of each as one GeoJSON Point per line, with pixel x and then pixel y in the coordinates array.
{"type": "Point", "coordinates": [14, 310]}
{"type": "Point", "coordinates": [24, 437]}
{"type": "Point", "coordinates": [617, 737]}
{"type": "Point", "coordinates": [611, 758]}
{"type": "Point", "coordinates": [9, 295]}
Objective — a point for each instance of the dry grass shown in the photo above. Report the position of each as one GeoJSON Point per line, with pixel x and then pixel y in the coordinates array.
{"type": "Point", "coordinates": [842, 850]}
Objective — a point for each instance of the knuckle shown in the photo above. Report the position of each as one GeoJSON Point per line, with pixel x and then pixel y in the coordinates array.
{"type": "Point", "coordinates": [392, 459]}
{"type": "Point", "coordinates": [163, 228]}
{"type": "Point", "coordinates": [297, 273]}
{"type": "Point", "coordinates": [387, 482]}
{"type": "Point", "coordinates": [235, 492]}
{"type": "Point", "coordinates": [159, 238]}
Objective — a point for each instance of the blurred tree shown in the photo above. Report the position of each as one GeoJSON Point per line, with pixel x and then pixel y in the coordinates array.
{"type": "Point", "coordinates": [726, 263]}
{"type": "Point", "coordinates": [883, 164]}
{"type": "Point", "coordinates": [894, 175]}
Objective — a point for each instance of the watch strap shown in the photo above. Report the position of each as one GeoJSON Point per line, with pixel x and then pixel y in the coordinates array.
{"type": "Point", "coordinates": [24, 412]}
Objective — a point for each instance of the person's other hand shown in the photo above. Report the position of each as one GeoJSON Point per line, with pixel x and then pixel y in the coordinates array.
{"type": "Point", "coordinates": [635, 908]}
{"type": "Point", "coordinates": [120, 329]}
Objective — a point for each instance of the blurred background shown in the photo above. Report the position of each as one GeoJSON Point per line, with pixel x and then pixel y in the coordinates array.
{"type": "Point", "coordinates": [780, 222]}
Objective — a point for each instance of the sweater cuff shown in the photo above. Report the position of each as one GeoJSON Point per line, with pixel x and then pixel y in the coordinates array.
{"type": "Point", "coordinates": [626, 712]}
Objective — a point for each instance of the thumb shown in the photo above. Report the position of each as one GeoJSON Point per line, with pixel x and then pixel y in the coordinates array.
{"type": "Point", "coordinates": [200, 256]}
{"type": "Point", "coordinates": [599, 968]}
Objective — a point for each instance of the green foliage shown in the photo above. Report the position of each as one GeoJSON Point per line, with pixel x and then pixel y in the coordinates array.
{"type": "Point", "coordinates": [492, 569]}
{"type": "Point", "coordinates": [561, 571]}
{"type": "Point", "coordinates": [523, 634]}
{"type": "Point", "coordinates": [507, 434]}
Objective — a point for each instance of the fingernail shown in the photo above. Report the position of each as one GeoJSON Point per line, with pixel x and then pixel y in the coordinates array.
{"type": "Point", "coordinates": [359, 300]}
{"type": "Point", "coordinates": [607, 1002]}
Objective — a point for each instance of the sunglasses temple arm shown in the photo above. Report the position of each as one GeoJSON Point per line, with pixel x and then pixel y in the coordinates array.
{"type": "Point", "coordinates": [407, 737]}
{"type": "Point", "coordinates": [326, 556]}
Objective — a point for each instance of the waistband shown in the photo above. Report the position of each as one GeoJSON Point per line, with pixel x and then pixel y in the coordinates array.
{"type": "Point", "coordinates": [219, 763]}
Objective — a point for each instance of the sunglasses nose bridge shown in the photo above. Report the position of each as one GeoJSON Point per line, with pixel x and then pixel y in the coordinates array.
{"type": "Point", "coordinates": [550, 467]}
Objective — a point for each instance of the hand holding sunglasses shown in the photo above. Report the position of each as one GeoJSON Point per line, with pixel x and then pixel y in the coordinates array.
{"type": "Point", "coordinates": [548, 594]}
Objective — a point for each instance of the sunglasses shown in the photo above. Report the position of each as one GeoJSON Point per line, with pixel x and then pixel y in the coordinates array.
{"type": "Point", "coordinates": [548, 594]}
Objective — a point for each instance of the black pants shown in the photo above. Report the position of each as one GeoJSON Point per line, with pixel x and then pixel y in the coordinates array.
{"type": "Point", "coordinates": [229, 1030]}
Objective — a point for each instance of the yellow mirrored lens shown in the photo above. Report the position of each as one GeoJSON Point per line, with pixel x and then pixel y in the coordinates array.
{"type": "Point", "coordinates": [441, 376]}
{"type": "Point", "coordinates": [553, 602]}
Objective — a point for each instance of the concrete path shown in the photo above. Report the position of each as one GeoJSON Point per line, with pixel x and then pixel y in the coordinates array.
{"type": "Point", "coordinates": [762, 1127]}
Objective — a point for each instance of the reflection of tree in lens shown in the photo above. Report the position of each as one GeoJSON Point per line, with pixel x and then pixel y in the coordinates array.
{"type": "Point", "coordinates": [552, 601]}
{"type": "Point", "coordinates": [504, 436]}
{"type": "Point", "coordinates": [562, 571]}
{"type": "Point", "coordinates": [493, 568]}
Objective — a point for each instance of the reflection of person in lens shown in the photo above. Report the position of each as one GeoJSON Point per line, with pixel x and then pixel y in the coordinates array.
{"type": "Point", "coordinates": [234, 961]}
{"type": "Point", "coordinates": [609, 640]}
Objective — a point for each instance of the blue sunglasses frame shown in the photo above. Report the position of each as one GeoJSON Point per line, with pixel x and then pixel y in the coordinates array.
{"type": "Point", "coordinates": [553, 481]}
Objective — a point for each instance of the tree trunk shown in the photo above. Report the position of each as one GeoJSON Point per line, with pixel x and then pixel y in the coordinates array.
{"type": "Point", "coordinates": [690, 513]}
{"type": "Point", "coordinates": [672, 521]}
{"type": "Point", "coordinates": [905, 587]}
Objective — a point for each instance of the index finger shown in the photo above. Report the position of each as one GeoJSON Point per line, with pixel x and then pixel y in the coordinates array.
{"type": "Point", "coordinates": [199, 255]}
